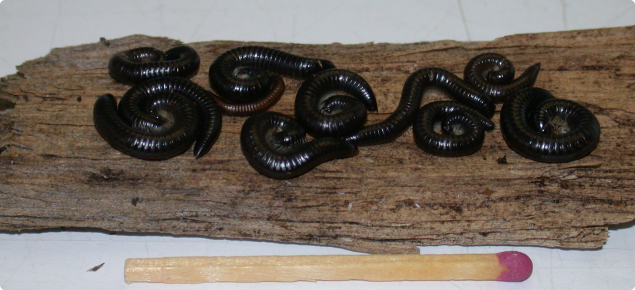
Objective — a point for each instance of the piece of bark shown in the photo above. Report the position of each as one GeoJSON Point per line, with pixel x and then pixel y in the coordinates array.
{"type": "Point", "coordinates": [56, 171]}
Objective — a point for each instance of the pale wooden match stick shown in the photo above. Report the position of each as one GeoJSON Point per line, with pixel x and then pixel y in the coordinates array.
{"type": "Point", "coordinates": [504, 266]}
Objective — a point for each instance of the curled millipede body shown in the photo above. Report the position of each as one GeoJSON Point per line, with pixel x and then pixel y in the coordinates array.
{"type": "Point", "coordinates": [242, 74]}
{"type": "Point", "coordinates": [410, 101]}
{"type": "Point", "coordinates": [145, 140]}
{"type": "Point", "coordinates": [245, 109]}
{"type": "Point", "coordinates": [275, 145]}
{"type": "Point", "coordinates": [542, 128]}
{"type": "Point", "coordinates": [462, 129]}
{"type": "Point", "coordinates": [493, 74]}
{"type": "Point", "coordinates": [141, 64]}
{"type": "Point", "coordinates": [159, 119]}
{"type": "Point", "coordinates": [333, 102]}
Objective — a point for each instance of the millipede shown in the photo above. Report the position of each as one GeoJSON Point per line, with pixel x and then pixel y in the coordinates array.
{"type": "Point", "coordinates": [137, 65]}
{"type": "Point", "coordinates": [159, 119]}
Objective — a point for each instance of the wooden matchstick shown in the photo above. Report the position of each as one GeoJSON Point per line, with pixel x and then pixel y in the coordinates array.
{"type": "Point", "coordinates": [504, 266]}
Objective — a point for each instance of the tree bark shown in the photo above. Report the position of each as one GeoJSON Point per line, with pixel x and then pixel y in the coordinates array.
{"type": "Point", "coordinates": [56, 171]}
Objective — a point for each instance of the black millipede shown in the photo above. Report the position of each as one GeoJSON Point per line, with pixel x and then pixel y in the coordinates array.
{"type": "Point", "coordinates": [333, 103]}
{"type": "Point", "coordinates": [245, 109]}
{"type": "Point", "coordinates": [242, 74]}
{"type": "Point", "coordinates": [462, 129]}
{"type": "Point", "coordinates": [542, 128]}
{"type": "Point", "coordinates": [493, 74]}
{"type": "Point", "coordinates": [159, 119]}
{"type": "Point", "coordinates": [275, 145]}
{"type": "Point", "coordinates": [141, 64]}
{"type": "Point", "coordinates": [410, 101]}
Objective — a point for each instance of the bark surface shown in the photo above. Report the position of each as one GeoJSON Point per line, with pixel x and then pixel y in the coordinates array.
{"type": "Point", "coordinates": [56, 171]}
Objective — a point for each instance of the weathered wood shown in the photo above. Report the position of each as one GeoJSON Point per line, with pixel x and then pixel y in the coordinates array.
{"type": "Point", "coordinates": [56, 171]}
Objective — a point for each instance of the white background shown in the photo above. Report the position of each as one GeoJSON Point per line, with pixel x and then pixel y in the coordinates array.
{"type": "Point", "coordinates": [60, 260]}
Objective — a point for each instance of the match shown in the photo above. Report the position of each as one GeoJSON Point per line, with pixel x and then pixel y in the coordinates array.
{"type": "Point", "coordinates": [504, 266]}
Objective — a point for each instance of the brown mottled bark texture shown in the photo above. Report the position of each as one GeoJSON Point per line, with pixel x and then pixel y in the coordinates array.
{"type": "Point", "coordinates": [56, 171]}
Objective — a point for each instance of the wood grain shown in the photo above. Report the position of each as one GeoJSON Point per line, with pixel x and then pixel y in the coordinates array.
{"type": "Point", "coordinates": [56, 171]}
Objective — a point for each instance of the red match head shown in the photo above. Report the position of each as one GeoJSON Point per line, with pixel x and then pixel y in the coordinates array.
{"type": "Point", "coordinates": [518, 264]}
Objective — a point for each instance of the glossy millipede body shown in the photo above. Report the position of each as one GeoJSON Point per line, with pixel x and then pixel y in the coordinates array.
{"type": "Point", "coordinates": [462, 129]}
{"type": "Point", "coordinates": [542, 128]}
{"type": "Point", "coordinates": [159, 119]}
{"type": "Point", "coordinates": [141, 64]}
{"type": "Point", "coordinates": [144, 140]}
{"type": "Point", "coordinates": [245, 109]}
{"type": "Point", "coordinates": [410, 101]}
{"type": "Point", "coordinates": [333, 102]}
{"type": "Point", "coordinates": [275, 145]}
{"type": "Point", "coordinates": [242, 74]}
{"type": "Point", "coordinates": [493, 74]}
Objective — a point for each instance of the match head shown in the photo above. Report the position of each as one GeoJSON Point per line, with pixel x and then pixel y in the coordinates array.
{"type": "Point", "coordinates": [519, 266]}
